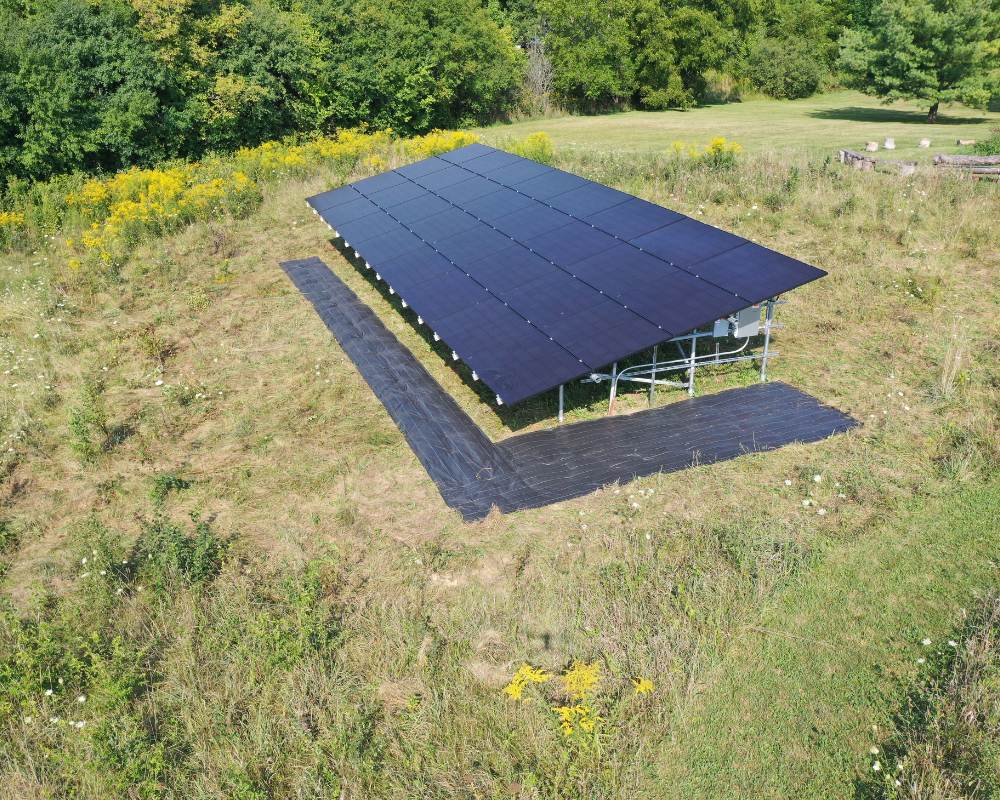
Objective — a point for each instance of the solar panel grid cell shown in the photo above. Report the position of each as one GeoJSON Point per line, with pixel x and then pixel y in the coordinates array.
{"type": "Point", "coordinates": [687, 241]}
{"type": "Point", "coordinates": [376, 182]}
{"type": "Point", "coordinates": [531, 221]}
{"type": "Point", "coordinates": [472, 243]}
{"type": "Point", "coordinates": [570, 243]}
{"type": "Point", "coordinates": [367, 227]}
{"type": "Point", "coordinates": [336, 197]}
{"type": "Point", "coordinates": [440, 226]}
{"type": "Point", "coordinates": [418, 208]}
{"type": "Point", "coordinates": [542, 187]}
{"type": "Point", "coordinates": [467, 153]}
{"type": "Point", "coordinates": [464, 192]}
{"type": "Point", "coordinates": [587, 199]}
{"type": "Point", "coordinates": [628, 292]}
{"type": "Point", "coordinates": [509, 268]}
{"type": "Point", "coordinates": [484, 164]}
{"type": "Point", "coordinates": [348, 212]}
{"type": "Point", "coordinates": [513, 174]}
{"type": "Point", "coordinates": [421, 168]}
{"type": "Point", "coordinates": [492, 207]}
{"type": "Point", "coordinates": [442, 178]}
{"type": "Point", "coordinates": [395, 195]}
{"type": "Point", "coordinates": [632, 218]}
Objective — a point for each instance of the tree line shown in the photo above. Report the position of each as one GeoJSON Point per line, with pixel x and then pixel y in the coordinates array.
{"type": "Point", "coordinates": [102, 84]}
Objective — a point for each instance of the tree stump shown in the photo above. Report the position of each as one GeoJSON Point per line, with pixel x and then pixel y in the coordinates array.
{"type": "Point", "coordinates": [871, 147]}
{"type": "Point", "coordinates": [965, 141]}
{"type": "Point", "coordinates": [890, 143]}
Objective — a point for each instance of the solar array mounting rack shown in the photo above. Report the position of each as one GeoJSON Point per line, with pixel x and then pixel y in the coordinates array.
{"type": "Point", "coordinates": [534, 276]}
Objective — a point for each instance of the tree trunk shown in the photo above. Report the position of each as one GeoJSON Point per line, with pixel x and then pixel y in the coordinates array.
{"type": "Point", "coordinates": [932, 114]}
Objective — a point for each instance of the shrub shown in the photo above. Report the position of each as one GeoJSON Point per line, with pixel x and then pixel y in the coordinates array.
{"type": "Point", "coordinates": [437, 142]}
{"type": "Point", "coordinates": [990, 146]}
{"type": "Point", "coordinates": [536, 146]}
{"type": "Point", "coordinates": [784, 69]}
{"type": "Point", "coordinates": [169, 557]}
{"type": "Point", "coordinates": [164, 484]}
{"type": "Point", "coordinates": [88, 423]}
{"type": "Point", "coordinates": [720, 153]}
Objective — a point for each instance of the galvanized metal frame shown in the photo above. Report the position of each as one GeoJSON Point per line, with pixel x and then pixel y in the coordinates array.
{"type": "Point", "coordinates": [688, 362]}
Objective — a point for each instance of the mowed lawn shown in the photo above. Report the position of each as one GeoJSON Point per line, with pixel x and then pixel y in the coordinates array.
{"type": "Point", "coordinates": [815, 681]}
{"type": "Point", "coordinates": [820, 124]}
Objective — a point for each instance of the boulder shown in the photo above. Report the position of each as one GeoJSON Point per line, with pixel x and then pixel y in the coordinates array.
{"type": "Point", "coordinates": [871, 147]}
{"type": "Point", "coordinates": [924, 143]}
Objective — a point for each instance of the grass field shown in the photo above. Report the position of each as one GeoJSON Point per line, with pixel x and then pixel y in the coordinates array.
{"type": "Point", "coordinates": [815, 125]}
{"type": "Point", "coordinates": [212, 533]}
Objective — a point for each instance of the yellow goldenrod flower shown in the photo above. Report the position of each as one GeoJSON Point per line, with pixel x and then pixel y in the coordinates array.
{"type": "Point", "coordinates": [580, 715]}
{"type": "Point", "coordinates": [581, 679]}
{"type": "Point", "coordinates": [11, 218]}
{"type": "Point", "coordinates": [524, 676]}
{"type": "Point", "coordinates": [642, 685]}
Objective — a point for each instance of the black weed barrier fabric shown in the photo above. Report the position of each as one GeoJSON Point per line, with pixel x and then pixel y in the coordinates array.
{"type": "Point", "coordinates": [534, 469]}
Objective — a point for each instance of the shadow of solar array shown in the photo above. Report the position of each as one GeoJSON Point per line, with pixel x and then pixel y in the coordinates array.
{"type": "Point", "coordinates": [535, 276]}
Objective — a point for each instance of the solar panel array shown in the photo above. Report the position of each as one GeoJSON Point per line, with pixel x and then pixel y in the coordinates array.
{"type": "Point", "coordinates": [535, 276]}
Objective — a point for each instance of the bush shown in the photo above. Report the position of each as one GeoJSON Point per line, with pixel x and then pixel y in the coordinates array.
{"type": "Point", "coordinates": [784, 69]}
{"type": "Point", "coordinates": [990, 146]}
{"type": "Point", "coordinates": [168, 557]}
{"type": "Point", "coordinates": [88, 423]}
{"type": "Point", "coordinates": [720, 153]}
{"type": "Point", "coordinates": [536, 146]}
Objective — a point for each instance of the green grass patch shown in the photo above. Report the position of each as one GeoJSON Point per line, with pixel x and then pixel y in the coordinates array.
{"type": "Point", "coordinates": [823, 123]}
{"type": "Point", "coordinates": [817, 680]}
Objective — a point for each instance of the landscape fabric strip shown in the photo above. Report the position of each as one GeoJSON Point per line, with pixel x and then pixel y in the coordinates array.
{"type": "Point", "coordinates": [473, 474]}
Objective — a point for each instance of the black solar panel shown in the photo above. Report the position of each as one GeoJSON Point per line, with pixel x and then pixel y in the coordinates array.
{"type": "Point", "coordinates": [535, 276]}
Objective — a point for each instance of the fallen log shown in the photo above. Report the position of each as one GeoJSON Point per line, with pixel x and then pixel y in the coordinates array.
{"type": "Point", "coordinates": [966, 161]}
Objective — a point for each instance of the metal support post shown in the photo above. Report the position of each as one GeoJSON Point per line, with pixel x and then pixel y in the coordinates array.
{"type": "Point", "coordinates": [561, 387]}
{"type": "Point", "coordinates": [768, 317]}
{"type": "Point", "coordinates": [652, 379]}
{"type": "Point", "coordinates": [614, 387]}
{"type": "Point", "coordinates": [694, 352]}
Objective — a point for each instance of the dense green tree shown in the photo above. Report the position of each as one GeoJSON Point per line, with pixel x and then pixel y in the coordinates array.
{"type": "Point", "coordinates": [417, 64]}
{"type": "Point", "coordinates": [590, 45]}
{"type": "Point", "coordinates": [784, 68]}
{"type": "Point", "coordinates": [931, 50]}
{"type": "Point", "coordinates": [102, 84]}
{"type": "Point", "coordinates": [81, 88]}
{"type": "Point", "coordinates": [266, 81]}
